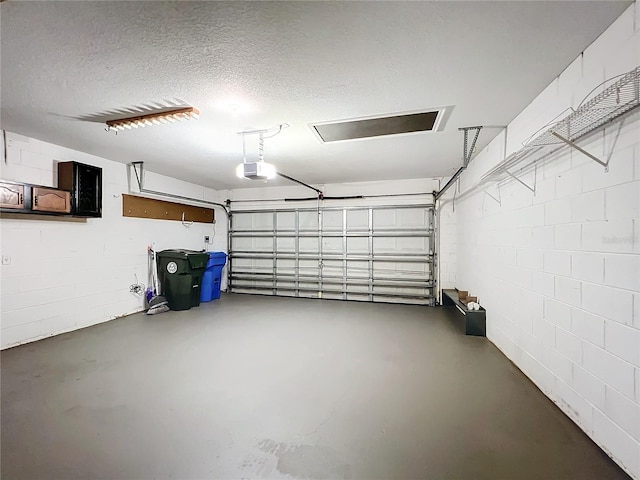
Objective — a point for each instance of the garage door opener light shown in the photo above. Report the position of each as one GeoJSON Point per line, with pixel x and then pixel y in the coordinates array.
{"type": "Point", "coordinates": [259, 170]}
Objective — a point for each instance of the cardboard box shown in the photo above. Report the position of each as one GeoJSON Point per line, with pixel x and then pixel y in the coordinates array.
{"type": "Point", "coordinates": [468, 299]}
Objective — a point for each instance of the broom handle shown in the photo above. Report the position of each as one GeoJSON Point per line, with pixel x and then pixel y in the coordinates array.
{"type": "Point", "coordinates": [155, 273]}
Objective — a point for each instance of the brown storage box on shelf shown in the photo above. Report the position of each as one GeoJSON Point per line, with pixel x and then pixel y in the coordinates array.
{"type": "Point", "coordinates": [462, 294]}
{"type": "Point", "coordinates": [469, 299]}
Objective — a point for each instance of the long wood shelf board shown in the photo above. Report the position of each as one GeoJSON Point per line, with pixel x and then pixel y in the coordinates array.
{"type": "Point", "coordinates": [144, 207]}
{"type": "Point", "coordinates": [25, 214]}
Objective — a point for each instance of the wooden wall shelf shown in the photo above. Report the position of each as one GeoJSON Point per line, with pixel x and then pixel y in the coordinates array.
{"type": "Point", "coordinates": [143, 207]}
{"type": "Point", "coordinates": [11, 214]}
{"type": "Point", "coordinates": [79, 195]}
{"type": "Point", "coordinates": [25, 200]}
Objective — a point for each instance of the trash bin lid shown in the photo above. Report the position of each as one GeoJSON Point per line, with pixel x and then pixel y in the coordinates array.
{"type": "Point", "coordinates": [196, 259]}
{"type": "Point", "coordinates": [173, 253]}
{"type": "Point", "coordinates": [217, 258]}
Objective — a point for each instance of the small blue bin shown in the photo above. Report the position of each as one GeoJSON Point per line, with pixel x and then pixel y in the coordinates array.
{"type": "Point", "coordinates": [212, 276]}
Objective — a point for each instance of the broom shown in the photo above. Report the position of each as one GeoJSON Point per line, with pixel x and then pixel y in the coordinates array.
{"type": "Point", "coordinates": [157, 303]}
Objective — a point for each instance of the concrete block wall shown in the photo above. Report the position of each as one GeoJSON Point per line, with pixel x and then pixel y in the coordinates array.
{"type": "Point", "coordinates": [447, 231]}
{"type": "Point", "coordinates": [559, 270]}
{"type": "Point", "coordinates": [66, 275]}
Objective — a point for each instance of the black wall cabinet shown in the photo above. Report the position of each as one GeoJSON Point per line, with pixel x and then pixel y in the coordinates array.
{"type": "Point", "coordinates": [85, 183]}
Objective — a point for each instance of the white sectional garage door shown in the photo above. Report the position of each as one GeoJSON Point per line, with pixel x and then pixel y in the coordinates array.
{"type": "Point", "coordinates": [367, 253]}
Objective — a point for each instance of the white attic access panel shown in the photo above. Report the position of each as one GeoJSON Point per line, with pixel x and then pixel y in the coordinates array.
{"type": "Point", "coordinates": [370, 253]}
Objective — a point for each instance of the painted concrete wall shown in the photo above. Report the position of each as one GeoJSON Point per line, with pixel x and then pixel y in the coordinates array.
{"type": "Point", "coordinates": [68, 275]}
{"type": "Point", "coordinates": [559, 270]}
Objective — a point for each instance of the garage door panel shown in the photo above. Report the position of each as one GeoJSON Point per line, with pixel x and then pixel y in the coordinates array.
{"type": "Point", "coordinates": [355, 297]}
{"type": "Point", "coordinates": [254, 244]}
{"type": "Point", "coordinates": [358, 219]}
{"type": "Point", "coordinates": [309, 267]}
{"type": "Point", "coordinates": [366, 254]}
{"type": "Point", "coordinates": [308, 245]}
{"type": "Point", "coordinates": [286, 244]}
{"type": "Point", "coordinates": [286, 220]}
{"type": "Point", "coordinates": [263, 221]}
{"type": "Point", "coordinates": [308, 220]}
{"type": "Point", "coordinates": [263, 244]}
{"type": "Point", "coordinates": [286, 267]}
{"type": "Point", "coordinates": [358, 245]}
{"type": "Point", "coordinates": [417, 245]}
{"type": "Point", "coordinates": [332, 296]}
{"type": "Point", "coordinates": [384, 219]}
{"type": "Point", "coordinates": [332, 220]}
{"type": "Point", "coordinates": [243, 221]}
{"type": "Point", "coordinates": [412, 218]}
{"type": "Point", "coordinates": [253, 221]}
{"type": "Point", "coordinates": [357, 269]}
{"type": "Point", "coordinates": [286, 293]}
{"type": "Point", "coordinates": [399, 270]}
{"type": "Point", "coordinates": [242, 243]}
{"type": "Point", "coordinates": [243, 263]}
{"type": "Point", "coordinates": [332, 244]}
{"type": "Point", "coordinates": [332, 268]}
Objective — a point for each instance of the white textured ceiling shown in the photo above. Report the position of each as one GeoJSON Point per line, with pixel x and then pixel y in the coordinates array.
{"type": "Point", "coordinates": [64, 64]}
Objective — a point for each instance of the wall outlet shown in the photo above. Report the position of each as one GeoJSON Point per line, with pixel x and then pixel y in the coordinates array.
{"type": "Point", "coordinates": [207, 239]}
{"type": "Point", "coordinates": [6, 260]}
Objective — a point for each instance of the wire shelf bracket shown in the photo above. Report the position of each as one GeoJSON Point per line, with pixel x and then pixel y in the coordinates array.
{"type": "Point", "coordinates": [532, 189]}
{"type": "Point", "coordinates": [581, 150]}
{"type": "Point", "coordinates": [497, 200]}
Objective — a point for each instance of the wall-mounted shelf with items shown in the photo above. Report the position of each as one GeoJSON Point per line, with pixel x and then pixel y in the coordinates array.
{"type": "Point", "coordinates": [79, 195]}
{"type": "Point", "coordinates": [143, 207]}
{"type": "Point", "coordinates": [27, 198]}
{"type": "Point", "coordinates": [611, 105]}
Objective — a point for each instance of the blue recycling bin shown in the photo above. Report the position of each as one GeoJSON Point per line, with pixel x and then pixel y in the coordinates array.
{"type": "Point", "coordinates": [212, 276]}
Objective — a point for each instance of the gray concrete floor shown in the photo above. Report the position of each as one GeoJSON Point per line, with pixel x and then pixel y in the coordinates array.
{"type": "Point", "coordinates": [258, 387]}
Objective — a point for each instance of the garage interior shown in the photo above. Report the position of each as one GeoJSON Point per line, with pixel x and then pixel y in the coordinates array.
{"type": "Point", "coordinates": [370, 171]}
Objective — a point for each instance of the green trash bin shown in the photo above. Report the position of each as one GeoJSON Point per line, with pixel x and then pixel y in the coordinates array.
{"type": "Point", "coordinates": [180, 274]}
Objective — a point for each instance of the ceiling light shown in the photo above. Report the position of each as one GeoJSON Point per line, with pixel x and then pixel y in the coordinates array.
{"type": "Point", "coordinates": [157, 118]}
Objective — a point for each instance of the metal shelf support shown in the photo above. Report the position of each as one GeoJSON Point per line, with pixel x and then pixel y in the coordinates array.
{"type": "Point", "coordinates": [498, 200]}
{"type": "Point", "coordinates": [581, 150]}
{"type": "Point", "coordinates": [468, 151]}
{"type": "Point", "coordinates": [532, 189]}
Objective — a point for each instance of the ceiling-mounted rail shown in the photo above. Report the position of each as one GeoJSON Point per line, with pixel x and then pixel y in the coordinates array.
{"type": "Point", "coordinates": [138, 168]}
{"type": "Point", "coordinates": [466, 157]}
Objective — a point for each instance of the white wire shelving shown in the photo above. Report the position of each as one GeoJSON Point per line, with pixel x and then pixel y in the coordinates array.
{"type": "Point", "coordinates": [614, 102]}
